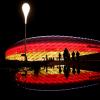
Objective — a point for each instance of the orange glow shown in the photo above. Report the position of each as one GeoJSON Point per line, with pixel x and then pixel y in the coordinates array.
{"type": "Point", "coordinates": [34, 56]}
{"type": "Point", "coordinates": [40, 47]}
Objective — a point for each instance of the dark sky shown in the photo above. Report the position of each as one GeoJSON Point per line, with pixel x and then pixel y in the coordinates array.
{"type": "Point", "coordinates": [48, 18]}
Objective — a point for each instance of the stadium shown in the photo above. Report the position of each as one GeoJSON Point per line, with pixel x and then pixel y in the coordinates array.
{"type": "Point", "coordinates": [43, 54]}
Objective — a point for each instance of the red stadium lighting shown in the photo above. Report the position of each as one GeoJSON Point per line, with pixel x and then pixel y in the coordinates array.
{"type": "Point", "coordinates": [39, 47]}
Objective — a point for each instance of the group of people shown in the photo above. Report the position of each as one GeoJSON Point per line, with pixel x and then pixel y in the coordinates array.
{"type": "Point", "coordinates": [71, 62]}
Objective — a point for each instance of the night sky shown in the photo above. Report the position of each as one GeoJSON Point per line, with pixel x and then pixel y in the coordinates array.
{"type": "Point", "coordinates": [80, 19]}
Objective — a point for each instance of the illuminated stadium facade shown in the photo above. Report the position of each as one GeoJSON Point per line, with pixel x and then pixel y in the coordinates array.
{"type": "Point", "coordinates": [38, 47]}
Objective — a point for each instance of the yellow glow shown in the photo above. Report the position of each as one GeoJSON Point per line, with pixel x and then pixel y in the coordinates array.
{"type": "Point", "coordinates": [25, 9]}
{"type": "Point", "coordinates": [54, 70]}
{"type": "Point", "coordinates": [34, 56]}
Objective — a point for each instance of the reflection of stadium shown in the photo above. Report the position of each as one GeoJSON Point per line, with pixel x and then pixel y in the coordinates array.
{"type": "Point", "coordinates": [43, 56]}
{"type": "Point", "coordinates": [53, 76]}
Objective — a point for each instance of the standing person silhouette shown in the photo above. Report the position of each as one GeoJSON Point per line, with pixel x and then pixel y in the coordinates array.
{"type": "Point", "coordinates": [46, 63]}
{"type": "Point", "coordinates": [77, 61]}
{"type": "Point", "coordinates": [73, 62]}
{"type": "Point", "coordinates": [59, 56]}
{"type": "Point", "coordinates": [59, 63]}
{"type": "Point", "coordinates": [66, 56]}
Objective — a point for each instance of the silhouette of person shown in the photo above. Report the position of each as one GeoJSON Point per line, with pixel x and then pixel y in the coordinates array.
{"type": "Point", "coordinates": [46, 69]}
{"type": "Point", "coordinates": [66, 56]}
{"type": "Point", "coordinates": [50, 59]}
{"type": "Point", "coordinates": [73, 62]}
{"type": "Point", "coordinates": [59, 56]}
{"type": "Point", "coordinates": [66, 71]}
{"type": "Point", "coordinates": [60, 70]}
{"type": "Point", "coordinates": [77, 55]}
{"type": "Point", "coordinates": [53, 61]}
{"type": "Point", "coordinates": [36, 69]}
{"type": "Point", "coordinates": [59, 62]}
{"type": "Point", "coordinates": [46, 64]}
{"type": "Point", "coordinates": [77, 61]}
{"type": "Point", "coordinates": [46, 57]}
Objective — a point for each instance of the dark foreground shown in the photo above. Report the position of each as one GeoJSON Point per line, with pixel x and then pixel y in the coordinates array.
{"type": "Point", "coordinates": [8, 88]}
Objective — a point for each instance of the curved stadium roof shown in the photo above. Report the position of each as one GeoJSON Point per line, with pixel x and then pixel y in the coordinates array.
{"type": "Point", "coordinates": [40, 46]}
